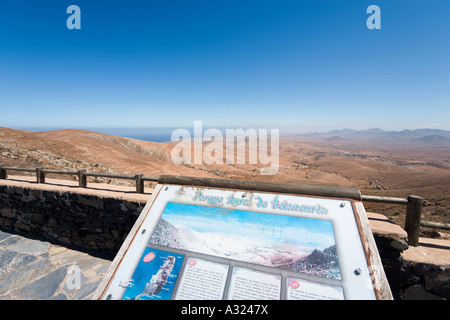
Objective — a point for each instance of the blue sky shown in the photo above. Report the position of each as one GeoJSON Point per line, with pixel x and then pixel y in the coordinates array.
{"type": "Point", "coordinates": [300, 65]}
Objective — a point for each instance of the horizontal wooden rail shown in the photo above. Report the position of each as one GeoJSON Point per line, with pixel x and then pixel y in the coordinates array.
{"type": "Point", "coordinates": [431, 224]}
{"type": "Point", "coordinates": [59, 171]}
{"type": "Point", "coordinates": [313, 190]}
{"type": "Point", "coordinates": [82, 175]}
{"type": "Point", "coordinates": [108, 175]}
{"type": "Point", "coordinates": [18, 169]}
{"type": "Point", "coordinates": [384, 199]}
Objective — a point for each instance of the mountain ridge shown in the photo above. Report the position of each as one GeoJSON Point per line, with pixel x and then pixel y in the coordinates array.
{"type": "Point", "coordinates": [424, 136]}
{"type": "Point", "coordinates": [377, 131]}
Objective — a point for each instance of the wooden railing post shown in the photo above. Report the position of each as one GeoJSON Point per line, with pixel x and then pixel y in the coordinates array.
{"type": "Point", "coordinates": [413, 216]}
{"type": "Point", "coordinates": [40, 175]}
{"type": "Point", "coordinates": [82, 179]}
{"type": "Point", "coordinates": [3, 174]}
{"type": "Point", "coordinates": [139, 183]}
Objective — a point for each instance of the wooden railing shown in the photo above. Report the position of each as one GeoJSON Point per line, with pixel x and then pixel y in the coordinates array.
{"type": "Point", "coordinates": [413, 204]}
{"type": "Point", "coordinates": [413, 221]}
{"type": "Point", "coordinates": [81, 174]}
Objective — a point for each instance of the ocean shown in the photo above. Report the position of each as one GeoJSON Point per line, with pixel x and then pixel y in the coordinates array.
{"type": "Point", "coordinates": [146, 134]}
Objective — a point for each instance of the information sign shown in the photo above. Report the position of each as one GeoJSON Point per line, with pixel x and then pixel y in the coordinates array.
{"type": "Point", "coordinates": [195, 242]}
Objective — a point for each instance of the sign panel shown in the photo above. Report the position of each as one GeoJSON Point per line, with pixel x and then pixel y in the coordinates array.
{"type": "Point", "coordinates": [195, 242]}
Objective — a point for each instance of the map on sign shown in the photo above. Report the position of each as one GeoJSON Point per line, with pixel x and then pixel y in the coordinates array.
{"type": "Point", "coordinates": [209, 243]}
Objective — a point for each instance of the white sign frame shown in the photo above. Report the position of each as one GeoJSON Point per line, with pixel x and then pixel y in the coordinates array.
{"type": "Point", "coordinates": [361, 273]}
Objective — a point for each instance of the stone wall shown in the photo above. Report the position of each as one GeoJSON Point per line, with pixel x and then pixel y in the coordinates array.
{"type": "Point", "coordinates": [411, 279]}
{"type": "Point", "coordinates": [81, 221]}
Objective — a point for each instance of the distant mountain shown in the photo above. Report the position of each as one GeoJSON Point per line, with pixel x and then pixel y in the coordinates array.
{"type": "Point", "coordinates": [429, 137]}
{"type": "Point", "coordinates": [379, 132]}
{"type": "Point", "coordinates": [434, 139]}
{"type": "Point", "coordinates": [342, 132]}
{"type": "Point", "coordinates": [336, 138]}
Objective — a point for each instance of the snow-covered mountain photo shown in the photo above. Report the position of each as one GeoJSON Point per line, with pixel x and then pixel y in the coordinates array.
{"type": "Point", "coordinates": [290, 243]}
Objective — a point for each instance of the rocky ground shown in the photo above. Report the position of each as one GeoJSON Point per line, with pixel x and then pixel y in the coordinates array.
{"type": "Point", "coordinates": [32, 269]}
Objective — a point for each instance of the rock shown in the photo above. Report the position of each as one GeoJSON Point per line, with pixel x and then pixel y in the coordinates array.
{"type": "Point", "coordinates": [36, 194]}
{"type": "Point", "coordinates": [86, 290]}
{"type": "Point", "coordinates": [21, 275]}
{"type": "Point", "coordinates": [18, 190]}
{"type": "Point", "coordinates": [35, 247]}
{"type": "Point", "coordinates": [60, 296]}
{"type": "Point", "coordinates": [420, 268]}
{"type": "Point", "coordinates": [436, 279]}
{"type": "Point", "coordinates": [38, 218]}
{"type": "Point", "coordinates": [91, 201]}
{"type": "Point", "coordinates": [6, 259]}
{"type": "Point", "coordinates": [9, 190]}
{"type": "Point", "coordinates": [416, 292]}
{"type": "Point", "coordinates": [49, 196]}
{"type": "Point", "coordinates": [443, 291]}
{"type": "Point", "coordinates": [7, 213]}
{"type": "Point", "coordinates": [399, 244]}
{"type": "Point", "coordinates": [65, 240]}
{"type": "Point", "coordinates": [14, 261]}
{"type": "Point", "coordinates": [45, 287]}
{"type": "Point", "coordinates": [115, 233]}
{"type": "Point", "coordinates": [410, 278]}
{"type": "Point", "coordinates": [21, 226]}
{"type": "Point", "coordinates": [110, 245]}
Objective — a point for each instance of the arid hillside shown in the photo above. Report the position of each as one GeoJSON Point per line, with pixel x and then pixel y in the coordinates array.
{"type": "Point", "coordinates": [378, 163]}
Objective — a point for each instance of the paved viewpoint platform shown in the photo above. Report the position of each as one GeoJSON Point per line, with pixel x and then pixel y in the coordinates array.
{"type": "Point", "coordinates": [32, 269]}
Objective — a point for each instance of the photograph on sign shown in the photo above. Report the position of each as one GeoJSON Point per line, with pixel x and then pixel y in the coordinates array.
{"type": "Point", "coordinates": [155, 276]}
{"type": "Point", "coordinates": [285, 242]}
